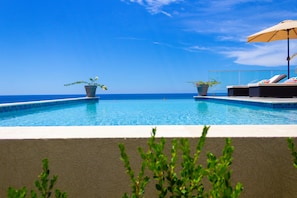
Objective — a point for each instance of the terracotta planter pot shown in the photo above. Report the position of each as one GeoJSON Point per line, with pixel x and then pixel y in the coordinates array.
{"type": "Point", "coordinates": [202, 90]}
{"type": "Point", "coordinates": [91, 90]}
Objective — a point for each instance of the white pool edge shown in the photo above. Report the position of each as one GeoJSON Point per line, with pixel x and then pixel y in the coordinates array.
{"type": "Point", "coordinates": [144, 131]}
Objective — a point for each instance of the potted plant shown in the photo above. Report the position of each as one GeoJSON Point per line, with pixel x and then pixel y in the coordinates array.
{"type": "Point", "coordinates": [202, 87]}
{"type": "Point", "coordinates": [90, 87]}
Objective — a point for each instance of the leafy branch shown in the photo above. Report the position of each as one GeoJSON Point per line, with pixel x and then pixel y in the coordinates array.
{"type": "Point", "coordinates": [44, 186]}
{"type": "Point", "coordinates": [189, 182]}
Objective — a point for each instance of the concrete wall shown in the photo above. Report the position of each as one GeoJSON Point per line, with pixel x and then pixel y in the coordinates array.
{"type": "Point", "coordinates": [90, 167]}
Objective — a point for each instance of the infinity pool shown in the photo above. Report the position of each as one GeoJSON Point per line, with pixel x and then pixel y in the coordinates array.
{"type": "Point", "coordinates": [148, 112]}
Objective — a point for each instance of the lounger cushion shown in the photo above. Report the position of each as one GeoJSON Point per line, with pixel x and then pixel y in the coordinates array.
{"type": "Point", "coordinates": [264, 82]}
{"type": "Point", "coordinates": [274, 79]}
{"type": "Point", "coordinates": [277, 78]}
{"type": "Point", "coordinates": [291, 80]}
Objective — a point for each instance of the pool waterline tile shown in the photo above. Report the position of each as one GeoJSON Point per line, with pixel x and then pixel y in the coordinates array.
{"type": "Point", "coordinates": [290, 103]}
{"type": "Point", "coordinates": [7, 107]}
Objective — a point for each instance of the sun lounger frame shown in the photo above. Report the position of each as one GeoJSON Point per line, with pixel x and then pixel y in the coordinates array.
{"type": "Point", "coordinates": [273, 90]}
{"type": "Point", "coordinates": [238, 90]}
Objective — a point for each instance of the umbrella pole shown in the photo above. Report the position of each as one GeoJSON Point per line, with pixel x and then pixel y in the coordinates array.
{"type": "Point", "coordinates": [288, 58]}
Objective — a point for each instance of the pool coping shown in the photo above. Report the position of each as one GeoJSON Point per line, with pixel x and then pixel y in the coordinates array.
{"type": "Point", "coordinates": [144, 131]}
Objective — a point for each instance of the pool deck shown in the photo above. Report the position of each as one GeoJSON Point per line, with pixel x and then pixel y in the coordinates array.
{"type": "Point", "coordinates": [75, 132]}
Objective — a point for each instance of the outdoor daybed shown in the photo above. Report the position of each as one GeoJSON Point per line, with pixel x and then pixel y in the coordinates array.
{"type": "Point", "coordinates": [243, 90]}
{"type": "Point", "coordinates": [238, 90]}
{"type": "Point", "coordinates": [288, 89]}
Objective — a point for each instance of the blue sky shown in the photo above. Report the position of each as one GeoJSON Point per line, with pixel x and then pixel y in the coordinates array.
{"type": "Point", "coordinates": [134, 46]}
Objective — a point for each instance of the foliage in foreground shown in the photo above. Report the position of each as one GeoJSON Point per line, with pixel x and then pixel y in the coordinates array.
{"type": "Point", "coordinates": [189, 181]}
{"type": "Point", "coordinates": [44, 186]}
{"type": "Point", "coordinates": [292, 148]}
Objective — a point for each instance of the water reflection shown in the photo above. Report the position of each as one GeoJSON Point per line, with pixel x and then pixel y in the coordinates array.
{"type": "Point", "coordinates": [202, 107]}
{"type": "Point", "coordinates": [91, 107]}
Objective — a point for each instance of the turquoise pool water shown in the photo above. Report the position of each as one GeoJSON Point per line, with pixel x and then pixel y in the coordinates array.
{"type": "Point", "coordinates": [148, 112]}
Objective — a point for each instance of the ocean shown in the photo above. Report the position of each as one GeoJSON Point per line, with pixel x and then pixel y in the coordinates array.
{"type": "Point", "coordinates": [26, 98]}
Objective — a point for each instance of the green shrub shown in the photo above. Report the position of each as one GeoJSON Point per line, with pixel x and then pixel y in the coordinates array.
{"type": "Point", "coordinates": [188, 182]}
{"type": "Point", "coordinates": [292, 148]}
{"type": "Point", "coordinates": [43, 184]}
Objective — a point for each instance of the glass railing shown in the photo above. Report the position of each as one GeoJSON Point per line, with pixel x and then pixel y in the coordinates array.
{"type": "Point", "coordinates": [241, 77]}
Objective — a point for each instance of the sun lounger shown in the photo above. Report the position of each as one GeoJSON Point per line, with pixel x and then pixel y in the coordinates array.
{"type": "Point", "coordinates": [238, 90]}
{"type": "Point", "coordinates": [287, 89]}
{"type": "Point", "coordinates": [243, 90]}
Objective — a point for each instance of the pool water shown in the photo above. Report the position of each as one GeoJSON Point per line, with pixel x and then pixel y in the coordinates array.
{"type": "Point", "coordinates": [149, 112]}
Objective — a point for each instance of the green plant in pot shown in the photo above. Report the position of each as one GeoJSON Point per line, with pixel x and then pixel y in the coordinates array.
{"type": "Point", "coordinates": [90, 86]}
{"type": "Point", "coordinates": [202, 86]}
